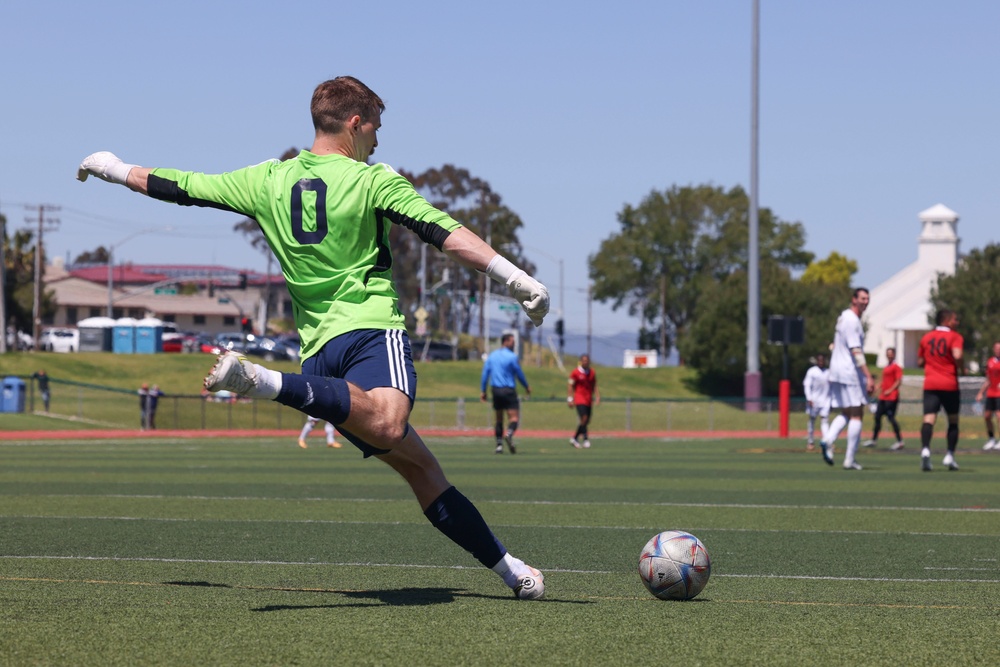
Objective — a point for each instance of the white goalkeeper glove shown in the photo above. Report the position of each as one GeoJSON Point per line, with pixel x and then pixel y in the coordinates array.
{"type": "Point", "coordinates": [527, 291]}
{"type": "Point", "coordinates": [106, 166]}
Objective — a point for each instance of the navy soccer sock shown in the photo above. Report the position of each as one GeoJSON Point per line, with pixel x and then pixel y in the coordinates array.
{"type": "Point", "coordinates": [455, 516]}
{"type": "Point", "coordinates": [511, 428]}
{"type": "Point", "coordinates": [326, 398]}
{"type": "Point", "coordinates": [498, 432]}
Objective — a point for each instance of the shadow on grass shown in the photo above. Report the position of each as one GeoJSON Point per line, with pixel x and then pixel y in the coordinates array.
{"type": "Point", "coordinates": [403, 597]}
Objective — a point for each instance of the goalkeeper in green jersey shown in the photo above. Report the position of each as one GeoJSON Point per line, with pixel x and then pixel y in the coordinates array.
{"type": "Point", "coordinates": [326, 215]}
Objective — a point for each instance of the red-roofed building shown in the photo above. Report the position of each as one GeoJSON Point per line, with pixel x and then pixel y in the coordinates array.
{"type": "Point", "coordinates": [206, 298]}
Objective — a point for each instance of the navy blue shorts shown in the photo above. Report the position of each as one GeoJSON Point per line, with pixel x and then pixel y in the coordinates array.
{"type": "Point", "coordinates": [368, 358]}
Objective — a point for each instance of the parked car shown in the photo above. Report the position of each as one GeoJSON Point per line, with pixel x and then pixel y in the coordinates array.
{"type": "Point", "coordinates": [270, 349]}
{"type": "Point", "coordinates": [436, 351]}
{"type": "Point", "coordinates": [59, 339]}
{"type": "Point", "coordinates": [235, 340]}
{"type": "Point", "coordinates": [18, 340]}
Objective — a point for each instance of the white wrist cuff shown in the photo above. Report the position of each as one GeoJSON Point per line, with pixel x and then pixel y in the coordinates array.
{"type": "Point", "coordinates": [118, 173]}
{"type": "Point", "coordinates": [500, 269]}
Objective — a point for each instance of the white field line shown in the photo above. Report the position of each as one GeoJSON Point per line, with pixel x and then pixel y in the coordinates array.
{"type": "Point", "coordinates": [337, 522]}
{"type": "Point", "coordinates": [541, 503]}
{"type": "Point", "coordinates": [210, 561]}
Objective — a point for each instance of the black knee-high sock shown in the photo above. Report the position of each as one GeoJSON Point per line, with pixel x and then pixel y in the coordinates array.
{"type": "Point", "coordinates": [926, 431]}
{"type": "Point", "coordinates": [952, 437]}
{"type": "Point", "coordinates": [579, 432]}
{"type": "Point", "coordinates": [455, 516]}
{"type": "Point", "coordinates": [498, 431]}
{"type": "Point", "coordinates": [325, 398]}
{"type": "Point", "coordinates": [511, 427]}
{"type": "Point", "coordinates": [895, 429]}
{"type": "Point", "coordinates": [989, 428]}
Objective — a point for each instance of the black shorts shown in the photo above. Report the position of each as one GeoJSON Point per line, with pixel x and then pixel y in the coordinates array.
{"type": "Point", "coordinates": [887, 408]}
{"type": "Point", "coordinates": [505, 398]}
{"type": "Point", "coordinates": [583, 410]}
{"type": "Point", "coordinates": [992, 404]}
{"type": "Point", "coordinates": [935, 399]}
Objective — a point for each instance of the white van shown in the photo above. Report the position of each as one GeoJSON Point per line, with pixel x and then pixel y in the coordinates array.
{"type": "Point", "coordinates": [59, 339]}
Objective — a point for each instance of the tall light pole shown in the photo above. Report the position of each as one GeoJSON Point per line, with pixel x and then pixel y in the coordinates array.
{"type": "Point", "coordinates": [752, 381]}
{"type": "Point", "coordinates": [111, 264]}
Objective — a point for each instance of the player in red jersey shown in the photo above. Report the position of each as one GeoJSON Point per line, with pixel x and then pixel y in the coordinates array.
{"type": "Point", "coordinates": [991, 389]}
{"type": "Point", "coordinates": [583, 394]}
{"type": "Point", "coordinates": [888, 400]}
{"type": "Point", "coordinates": [940, 356]}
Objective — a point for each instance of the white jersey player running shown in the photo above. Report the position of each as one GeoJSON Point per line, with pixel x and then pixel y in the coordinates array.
{"type": "Point", "coordinates": [850, 380]}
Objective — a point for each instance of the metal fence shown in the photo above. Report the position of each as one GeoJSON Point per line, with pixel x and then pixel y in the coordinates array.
{"type": "Point", "coordinates": [117, 408]}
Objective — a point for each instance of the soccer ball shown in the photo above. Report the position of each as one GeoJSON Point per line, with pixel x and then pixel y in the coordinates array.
{"type": "Point", "coordinates": [674, 565]}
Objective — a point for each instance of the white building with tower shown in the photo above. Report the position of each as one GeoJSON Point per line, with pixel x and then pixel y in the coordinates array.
{"type": "Point", "coordinates": [901, 311]}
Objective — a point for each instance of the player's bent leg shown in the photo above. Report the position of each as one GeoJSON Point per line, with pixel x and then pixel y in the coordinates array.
{"type": "Point", "coordinates": [457, 518]}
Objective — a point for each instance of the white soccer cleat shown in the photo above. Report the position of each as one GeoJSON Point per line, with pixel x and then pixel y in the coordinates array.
{"type": "Point", "coordinates": [949, 462]}
{"type": "Point", "coordinates": [991, 444]}
{"type": "Point", "coordinates": [586, 444]}
{"type": "Point", "coordinates": [530, 586]}
{"type": "Point", "coordinates": [869, 443]}
{"type": "Point", "coordinates": [854, 465]}
{"type": "Point", "coordinates": [575, 443]}
{"type": "Point", "coordinates": [827, 452]}
{"type": "Point", "coordinates": [898, 445]}
{"type": "Point", "coordinates": [232, 372]}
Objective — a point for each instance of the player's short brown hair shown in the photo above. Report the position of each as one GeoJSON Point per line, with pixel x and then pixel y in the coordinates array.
{"type": "Point", "coordinates": [336, 100]}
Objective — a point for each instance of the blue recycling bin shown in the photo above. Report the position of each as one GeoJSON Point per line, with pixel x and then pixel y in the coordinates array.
{"type": "Point", "coordinates": [13, 395]}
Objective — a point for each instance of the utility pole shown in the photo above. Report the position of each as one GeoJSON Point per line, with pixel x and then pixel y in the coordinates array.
{"type": "Point", "coordinates": [3, 289]}
{"type": "Point", "coordinates": [36, 308]}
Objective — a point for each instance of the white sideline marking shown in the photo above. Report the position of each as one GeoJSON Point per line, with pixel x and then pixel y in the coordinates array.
{"type": "Point", "coordinates": [210, 561]}
{"type": "Point", "coordinates": [886, 508]}
{"type": "Point", "coordinates": [808, 531]}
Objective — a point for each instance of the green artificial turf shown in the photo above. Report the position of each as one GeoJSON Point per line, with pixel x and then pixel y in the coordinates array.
{"type": "Point", "coordinates": [251, 551]}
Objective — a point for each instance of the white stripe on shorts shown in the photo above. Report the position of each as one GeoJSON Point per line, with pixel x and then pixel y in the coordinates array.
{"type": "Point", "coordinates": [397, 360]}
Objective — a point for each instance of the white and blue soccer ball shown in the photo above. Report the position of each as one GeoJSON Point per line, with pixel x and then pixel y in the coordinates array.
{"type": "Point", "coordinates": [674, 565]}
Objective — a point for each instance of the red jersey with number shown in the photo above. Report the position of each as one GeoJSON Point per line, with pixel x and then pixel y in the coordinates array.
{"type": "Point", "coordinates": [940, 367]}
{"type": "Point", "coordinates": [993, 375]}
{"type": "Point", "coordinates": [891, 374]}
{"type": "Point", "coordinates": [583, 383]}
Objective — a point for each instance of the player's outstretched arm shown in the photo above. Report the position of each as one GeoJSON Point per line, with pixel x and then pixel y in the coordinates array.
{"type": "Point", "coordinates": [472, 252]}
{"type": "Point", "coordinates": [109, 167]}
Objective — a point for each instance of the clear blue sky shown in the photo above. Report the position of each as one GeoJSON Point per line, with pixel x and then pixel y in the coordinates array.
{"type": "Point", "coordinates": [870, 113]}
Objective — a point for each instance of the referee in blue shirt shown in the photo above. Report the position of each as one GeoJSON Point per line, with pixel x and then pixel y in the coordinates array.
{"type": "Point", "coordinates": [501, 370]}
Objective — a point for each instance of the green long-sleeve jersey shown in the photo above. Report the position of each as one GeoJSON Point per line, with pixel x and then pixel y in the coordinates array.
{"type": "Point", "coordinates": [326, 218]}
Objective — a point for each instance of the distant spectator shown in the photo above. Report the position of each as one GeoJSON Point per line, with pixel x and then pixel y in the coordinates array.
{"type": "Point", "coordinates": [148, 400]}
{"type": "Point", "coordinates": [43, 387]}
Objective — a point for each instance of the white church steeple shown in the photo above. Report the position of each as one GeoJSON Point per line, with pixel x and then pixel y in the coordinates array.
{"type": "Point", "coordinates": [938, 240]}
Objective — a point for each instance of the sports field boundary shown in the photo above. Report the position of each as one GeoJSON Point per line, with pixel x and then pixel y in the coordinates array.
{"type": "Point", "coordinates": [170, 434]}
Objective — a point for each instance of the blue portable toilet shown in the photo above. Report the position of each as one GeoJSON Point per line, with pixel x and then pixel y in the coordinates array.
{"type": "Point", "coordinates": [124, 336]}
{"type": "Point", "coordinates": [148, 336]}
{"type": "Point", "coordinates": [13, 395]}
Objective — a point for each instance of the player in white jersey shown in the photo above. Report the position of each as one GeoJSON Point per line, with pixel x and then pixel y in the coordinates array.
{"type": "Point", "coordinates": [816, 386]}
{"type": "Point", "coordinates": [309, 426]}
{"type": "Point", "coordinates": [850, 380]}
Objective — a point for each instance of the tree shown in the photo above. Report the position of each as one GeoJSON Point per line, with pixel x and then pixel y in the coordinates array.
{"type": "Point", "coordinates": [974, 293]}
{"type": "Point", "coordinates": [471, 201]}
{"type": "Point", "coordinates": [678, 243]}
{"type": "Point", "coordinates": [715, 343]}
{"type": "Point", "coordinates": [19, 281]}
{"type": "Point", "coordinates": [99, 255]}
{"type": "Point", "coordinates": [834, 270]}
